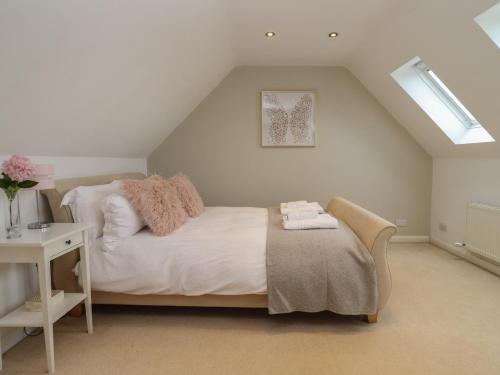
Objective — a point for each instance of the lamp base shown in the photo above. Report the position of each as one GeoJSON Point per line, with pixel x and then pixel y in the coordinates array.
{"type": "Point", "coordinates": [39, 225]}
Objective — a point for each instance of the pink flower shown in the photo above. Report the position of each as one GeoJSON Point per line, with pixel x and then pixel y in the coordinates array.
{"type": "Point", "coordinates": [18, 168]}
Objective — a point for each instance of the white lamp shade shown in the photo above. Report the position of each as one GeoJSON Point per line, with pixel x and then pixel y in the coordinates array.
{"type": "Point", "coordinates": [43, 170]}
{"type": "Point", "coordinates": [44, 183]}
{"type": "Point", "coordinates": [43, 174]}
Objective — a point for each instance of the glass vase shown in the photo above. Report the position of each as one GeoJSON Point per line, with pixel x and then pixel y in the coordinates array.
{"type": "Point", "coordinates": [13, 218]}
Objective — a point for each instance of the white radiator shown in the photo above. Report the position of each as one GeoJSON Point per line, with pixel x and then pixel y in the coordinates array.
{"type": "Point", "coordinates": [482, 234]}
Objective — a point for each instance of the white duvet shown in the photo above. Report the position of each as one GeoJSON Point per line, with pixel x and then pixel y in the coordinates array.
{"type": "Point", "coordinates": [223, 251]}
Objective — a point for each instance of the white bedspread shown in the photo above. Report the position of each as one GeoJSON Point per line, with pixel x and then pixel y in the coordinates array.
{"type": "Point", "coordinates": [221, 252]}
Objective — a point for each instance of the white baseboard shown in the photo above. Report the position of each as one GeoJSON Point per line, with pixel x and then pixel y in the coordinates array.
{"type": "Point", "coordinates": [410, 239]}
{"type": "Point", "coordinates": [455, 250]}
{"type": "Point", "coordinates": [463, 253]}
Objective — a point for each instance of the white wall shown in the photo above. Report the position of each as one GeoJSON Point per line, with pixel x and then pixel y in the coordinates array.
{"type": "Point", "coordinates": [17, 282]}
{"type": "Point", "coordinates": [455, 183]}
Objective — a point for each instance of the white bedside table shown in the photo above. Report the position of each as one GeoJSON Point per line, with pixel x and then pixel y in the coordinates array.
{"type": "Point", "coordinates": [41, 247]}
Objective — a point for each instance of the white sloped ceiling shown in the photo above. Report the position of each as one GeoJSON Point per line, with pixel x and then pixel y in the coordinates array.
{"type": "Point", "coordinates": [443, 33]}
{"type": "Point", "coordinates": [115, 77]}
{"type": "Point", "coordinates": [102, 77]}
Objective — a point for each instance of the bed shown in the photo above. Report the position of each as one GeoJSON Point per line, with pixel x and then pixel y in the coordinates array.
{"type": "Point", "coordinates": [242, 284]}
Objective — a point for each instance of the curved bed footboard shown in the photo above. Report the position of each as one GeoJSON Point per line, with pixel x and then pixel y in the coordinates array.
{"type": "Point", "coordinates": [375, 234]}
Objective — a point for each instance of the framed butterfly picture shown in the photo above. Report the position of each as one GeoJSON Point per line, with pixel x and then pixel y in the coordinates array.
{"type": "Point", "coordinates": [288, 119]}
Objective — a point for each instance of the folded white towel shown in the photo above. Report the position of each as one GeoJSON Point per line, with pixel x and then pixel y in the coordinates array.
{"type": "Point", "coordinates": [313, 206]}
{"type": "Point", "coordinates": [302, 214]}
{"type": "Point", "coordinates": [296, 204]}
{"type": "Point", "coordinates": [323, 221]}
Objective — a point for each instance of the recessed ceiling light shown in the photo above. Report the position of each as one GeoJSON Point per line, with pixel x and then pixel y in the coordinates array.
{"type": "Point", "coordinates": [270, 34]}
{"type": "Point", "coordinates": [333, 35]}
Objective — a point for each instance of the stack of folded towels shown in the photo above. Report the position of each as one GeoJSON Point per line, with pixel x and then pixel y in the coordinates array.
{"type": "Point", "coordinates": [306, 215]}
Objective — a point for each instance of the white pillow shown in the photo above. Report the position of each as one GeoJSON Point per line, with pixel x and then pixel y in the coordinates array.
{"type": "Point", "coordinates": [121, 221]}
{"type": "Point", "coordinates": [85, 204]}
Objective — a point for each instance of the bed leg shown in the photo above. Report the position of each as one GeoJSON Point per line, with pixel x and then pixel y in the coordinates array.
{"type": "Point", "coordinates": [76, 312]}
{"type": "Point", "coordinates": [372, 318]}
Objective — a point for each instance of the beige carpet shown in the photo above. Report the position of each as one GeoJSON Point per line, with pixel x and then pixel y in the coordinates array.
{"type": "Point", "coordinates": [443, 318]}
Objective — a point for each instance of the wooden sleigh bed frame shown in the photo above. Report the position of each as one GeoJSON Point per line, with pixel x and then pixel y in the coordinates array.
{"type": "Point", "coordinates": [371, 229]}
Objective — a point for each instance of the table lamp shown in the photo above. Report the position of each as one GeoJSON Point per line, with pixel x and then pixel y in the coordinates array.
{"type": "Point", "coordinates": [44, 176]}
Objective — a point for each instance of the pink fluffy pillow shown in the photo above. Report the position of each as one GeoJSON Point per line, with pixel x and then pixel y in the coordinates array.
{"type": "Point", "coordinates": [157, 202]}
{"type": "Point", "coordinates": [188, 195]}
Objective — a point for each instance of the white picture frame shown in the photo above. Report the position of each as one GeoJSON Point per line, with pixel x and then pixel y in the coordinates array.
{"type": "Point", "coordinates": [288, 118]}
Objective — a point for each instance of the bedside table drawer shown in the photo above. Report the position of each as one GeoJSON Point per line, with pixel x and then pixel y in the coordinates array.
{"type": "Point", "coordinates": [64, 244]}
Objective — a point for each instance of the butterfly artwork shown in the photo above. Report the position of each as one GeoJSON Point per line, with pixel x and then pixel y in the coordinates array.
{"type": "Point", "coordinates": [288, 119]}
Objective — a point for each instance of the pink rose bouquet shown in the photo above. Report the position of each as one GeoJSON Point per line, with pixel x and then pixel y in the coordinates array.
{"type": "Point", "coordinates": [15, 174]}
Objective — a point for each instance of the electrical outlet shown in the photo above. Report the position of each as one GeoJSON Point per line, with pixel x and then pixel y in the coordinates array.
{"type": "Point", "coordinates": [401, 222]}
{"type": "Point", "coordinates": [443, 227]}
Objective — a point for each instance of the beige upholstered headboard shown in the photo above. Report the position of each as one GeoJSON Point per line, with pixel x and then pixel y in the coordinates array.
{"type": "Point", "coordinates": [62, 275]}
{"type": "Point", "coordinates": [55, 196]}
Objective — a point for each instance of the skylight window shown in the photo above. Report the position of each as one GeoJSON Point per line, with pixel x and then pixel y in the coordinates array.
{"type": "Point", "coordinates": [446, 96]}
{"type": "Point", "coordinates": [490, 23]}
{"type": "Point", "coordinates": [442, 106]}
